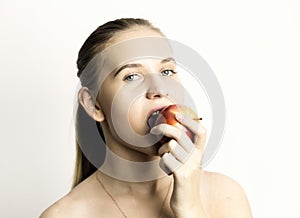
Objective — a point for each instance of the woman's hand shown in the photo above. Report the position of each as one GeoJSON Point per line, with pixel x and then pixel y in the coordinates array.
{"type": "Point", "coordinates": [183, 158]}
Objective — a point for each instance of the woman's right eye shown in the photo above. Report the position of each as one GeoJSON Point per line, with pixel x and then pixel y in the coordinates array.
{"type": "Point", "coordinates": [131, 77]}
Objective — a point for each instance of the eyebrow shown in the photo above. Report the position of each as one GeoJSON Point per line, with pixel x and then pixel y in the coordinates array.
{"type": "Point", "coordinates": [127, 66]}
{"type": "Point", "coordinates": [170, 59]}
{"type": "Point", "coordinates": [166, 60]}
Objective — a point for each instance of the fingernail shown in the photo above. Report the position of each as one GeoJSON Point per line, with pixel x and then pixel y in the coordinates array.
{"type": "Point", "coordinates": [179, 117]}
{"type": "Point", "coordinates": [154, 131]}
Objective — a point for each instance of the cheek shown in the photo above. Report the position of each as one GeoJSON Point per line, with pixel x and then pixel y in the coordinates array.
{"type": "Point", "coordinates": [107, 97]}
{"type": "Point", "coordinates": [123, 107]}
{"type": "Point", "coordinates": [118, 113]}
{"type": "Point", "coordinates": [137, 118]}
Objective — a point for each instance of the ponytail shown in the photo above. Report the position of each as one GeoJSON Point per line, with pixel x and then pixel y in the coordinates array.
{"type": "Point", "coordinates": [83, 167]}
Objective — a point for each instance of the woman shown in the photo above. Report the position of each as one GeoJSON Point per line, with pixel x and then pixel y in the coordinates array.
{"type": "Point", "coordinates": [142, 86]}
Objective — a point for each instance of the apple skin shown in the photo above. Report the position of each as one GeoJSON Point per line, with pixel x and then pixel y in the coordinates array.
{"type": "Point", "coordinates": [167, 115]}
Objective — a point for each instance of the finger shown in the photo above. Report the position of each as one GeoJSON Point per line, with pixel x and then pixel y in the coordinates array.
{"type": "Point", "coordinates": [166, 148]}
{"type": "Point", "coordinates": [200, 140]}
{"type": "Point", "coordinates": [178, 152]}
{"type": "Point", "coordinates": [169, 161]}
{"type": "Point", "coordinates": [196, 127]}
{"type": "Point", "coordinates": [175, 149]}
{"type": "Point", "coordinates": [176, 133]}
{"type": "Point", "coordinates": [164, 167]}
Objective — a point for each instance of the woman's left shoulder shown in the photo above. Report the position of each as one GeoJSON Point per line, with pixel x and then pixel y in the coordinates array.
{"type": "Point", "coordinates": [227, 195]}
{"type": "Point", "coordinates": [219, 180]}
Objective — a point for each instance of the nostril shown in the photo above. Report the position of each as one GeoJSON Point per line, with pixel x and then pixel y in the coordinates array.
{"type": "Point", "coordinates": [156, 94]}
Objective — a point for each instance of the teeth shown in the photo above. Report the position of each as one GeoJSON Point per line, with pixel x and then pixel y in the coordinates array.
{"type": "Point", "coordinates": [155, 113]}
{"type": "Point", "coordinates": [152, 118]}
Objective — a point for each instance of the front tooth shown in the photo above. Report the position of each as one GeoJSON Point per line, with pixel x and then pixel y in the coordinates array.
{"type": "Point", "coordinates": [155, 112]}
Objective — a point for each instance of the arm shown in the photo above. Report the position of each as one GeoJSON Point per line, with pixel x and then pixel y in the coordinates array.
{"type": "Point", "coordinates": [182, 157]}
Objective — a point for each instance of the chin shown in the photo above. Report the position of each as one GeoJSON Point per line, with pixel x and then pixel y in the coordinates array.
{"type": "Point", "coordinates": [151, 151]}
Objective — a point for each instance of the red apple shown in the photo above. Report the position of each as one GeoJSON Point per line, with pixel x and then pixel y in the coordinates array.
{"type": "Point", "coordinates": [167, 115]}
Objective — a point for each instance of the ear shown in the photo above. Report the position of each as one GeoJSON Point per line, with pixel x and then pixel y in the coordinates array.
{"type": "Point", "coordinates": [86, 100]}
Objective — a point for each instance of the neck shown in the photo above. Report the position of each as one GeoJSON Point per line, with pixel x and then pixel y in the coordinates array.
{"type": "Point", "coordinates": [120, 187]}
{"type": "Point", "coordinates": [130, 171]}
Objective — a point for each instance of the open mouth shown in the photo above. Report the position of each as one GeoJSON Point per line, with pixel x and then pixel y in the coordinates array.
{"type": "Point", "coordinates": [153, 115]}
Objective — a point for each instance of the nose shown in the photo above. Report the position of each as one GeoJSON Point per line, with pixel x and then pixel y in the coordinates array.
{"type": "Point", "coordinates": [154, 94]}
{"type": "Point", "coordinates": [157, 89]}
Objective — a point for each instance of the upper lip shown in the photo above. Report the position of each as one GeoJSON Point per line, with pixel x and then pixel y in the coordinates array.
{"type": "Point", "coordinates": [158, 108]}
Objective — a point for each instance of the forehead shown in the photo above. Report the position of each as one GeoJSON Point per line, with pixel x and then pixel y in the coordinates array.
{"type": "Point", "coordinates": [131, 50]}
{"type": "Point", "coordinates": [126, 48]}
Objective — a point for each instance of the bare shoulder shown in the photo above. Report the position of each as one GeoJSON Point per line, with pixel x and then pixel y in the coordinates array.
{"type": "Point", "coordinates": [61, 208]}
{"type": "Point", "coordinates": [68, 206]}
{"type": "Point", "coordinates": [227, 195]}
{"type": "Point", "coordinates": [79, 202]}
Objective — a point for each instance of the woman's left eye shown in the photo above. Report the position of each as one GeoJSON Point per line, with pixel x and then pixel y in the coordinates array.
{"type": "Point", "coordinates": [168, 72]}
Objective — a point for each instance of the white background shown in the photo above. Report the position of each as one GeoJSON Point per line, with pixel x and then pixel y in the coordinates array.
{"type": "Point", "coordinates": [252, 46]}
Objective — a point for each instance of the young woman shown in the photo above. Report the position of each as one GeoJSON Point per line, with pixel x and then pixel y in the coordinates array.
{"type": "Point", "coordinates": [137, 88]}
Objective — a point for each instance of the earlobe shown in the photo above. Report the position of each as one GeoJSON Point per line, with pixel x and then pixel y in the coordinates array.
{"type": "Point", "coordinates": [98, 115]}
{"type": "Point", "coordinates": [92, 109]}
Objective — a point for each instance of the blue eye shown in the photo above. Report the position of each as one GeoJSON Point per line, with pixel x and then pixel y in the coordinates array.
{"type": "Point", "coordinates": [168, 72]}
{"type": "Point", "coordinates": [131, 77]}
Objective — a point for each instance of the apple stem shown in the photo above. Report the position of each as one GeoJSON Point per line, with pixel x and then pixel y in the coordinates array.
{"type": "Point", "coordinates": [199, 118]}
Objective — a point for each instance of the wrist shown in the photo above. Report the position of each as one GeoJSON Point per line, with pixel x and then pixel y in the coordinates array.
{"type": "Point", "coordinates": [191, 212]}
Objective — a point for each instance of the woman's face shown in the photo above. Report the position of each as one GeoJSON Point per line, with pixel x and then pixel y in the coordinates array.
{"type": "Point", "coordinates": [136, 88]}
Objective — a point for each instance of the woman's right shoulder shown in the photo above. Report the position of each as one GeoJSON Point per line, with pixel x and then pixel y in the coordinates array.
{"type": "Point", "coordinates": [66, 207]}
{"type": "Point", "coordinates": [77, 203]}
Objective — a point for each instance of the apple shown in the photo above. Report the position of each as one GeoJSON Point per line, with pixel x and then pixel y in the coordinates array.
{"type": "Point", "coordinates": [167, 115]}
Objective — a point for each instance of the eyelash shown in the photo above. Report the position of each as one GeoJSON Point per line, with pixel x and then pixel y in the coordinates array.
{"type": "Point", "coordinates": [135, 74]}
{"type": "Point", "coordinates": [173, 72]}
{"type": "Point", "coordinates": [127, 76]}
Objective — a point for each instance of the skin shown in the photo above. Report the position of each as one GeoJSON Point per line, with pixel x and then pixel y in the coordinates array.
{"type": "Point", "coordinates": [193, 192]}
